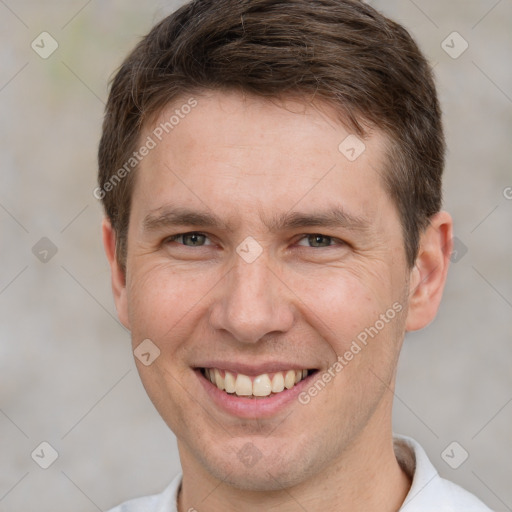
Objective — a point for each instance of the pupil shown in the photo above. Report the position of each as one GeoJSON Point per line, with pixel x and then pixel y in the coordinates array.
{"type": "Point", "coordinates": [194, 239]}
{"type": "Point", "coordinates": [320, 240]}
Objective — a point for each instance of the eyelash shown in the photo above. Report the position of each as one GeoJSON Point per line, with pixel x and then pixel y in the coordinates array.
{"type": "Point", "coordinates": [173, 238]}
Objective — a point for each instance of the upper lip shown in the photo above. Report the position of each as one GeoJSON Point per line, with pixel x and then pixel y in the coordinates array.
{"type": "Point", "coordinates": [253, 370]}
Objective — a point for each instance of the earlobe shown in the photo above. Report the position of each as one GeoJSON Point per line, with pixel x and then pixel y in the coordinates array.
{"type": "Point", "coordinates": [118, 277]}
{"type": "Point", "coordinates": [428, 275]}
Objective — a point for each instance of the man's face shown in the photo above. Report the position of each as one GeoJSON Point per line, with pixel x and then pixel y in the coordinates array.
{"type": "Point", "coordinates": [294, 296]}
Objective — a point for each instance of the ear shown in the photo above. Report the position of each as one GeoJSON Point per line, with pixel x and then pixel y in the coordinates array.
{"type": "Point", "coordinates": [117, 274]}
{"type": "Point", "coordinates": [428, 276]}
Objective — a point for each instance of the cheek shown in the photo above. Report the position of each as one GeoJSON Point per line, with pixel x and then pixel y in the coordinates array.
{"type": "Point", "coordinates": [340, 301]}
{"type": "Point", "coordinates": [163, 298]}
{"type": "Point", "coordinates": [357, 315]}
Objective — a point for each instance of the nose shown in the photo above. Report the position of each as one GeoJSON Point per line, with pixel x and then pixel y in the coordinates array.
{"type": "Point", "coordinates": [253, 302]}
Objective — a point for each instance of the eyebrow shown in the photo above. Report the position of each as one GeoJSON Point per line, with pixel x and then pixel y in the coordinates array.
{"type": "Point", "coordinates": [332, 218]}
{"type": "Point", "coordinates": [168, 217]}
{"type": "Point", "coordinates": [178, 216]}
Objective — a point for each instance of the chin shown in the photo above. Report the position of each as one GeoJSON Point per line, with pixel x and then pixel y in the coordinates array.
{"type": "Point", "coordinates": [264, 479]}
{"type": "Point", "coordinates": [248, 471]}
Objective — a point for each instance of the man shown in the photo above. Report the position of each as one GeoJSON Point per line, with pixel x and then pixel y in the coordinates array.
{"type": "Point", "coordinates": [271, 176]}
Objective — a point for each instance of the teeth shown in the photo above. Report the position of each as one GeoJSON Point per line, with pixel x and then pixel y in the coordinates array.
{"type": "Point", "coordinates": [229, 383]}
{"type": "Point", "coordinates": [259, 386]}
{"type": "Point", "coordinates": [262, 385]}
{"type": "Point", "coordinates": [277, 383]}
{"type": "Point", "coordinates": [219, 379]}
{"type": "Point", "coordinates": [289, 380]}
{"type": "Point", "coordinates": [243, 385]}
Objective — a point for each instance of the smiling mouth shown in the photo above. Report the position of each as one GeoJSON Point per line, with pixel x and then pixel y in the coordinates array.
{"type": "Point", "coordinates": [261, 386]}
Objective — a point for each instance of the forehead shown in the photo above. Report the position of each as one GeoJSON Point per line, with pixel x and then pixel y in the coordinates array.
{"type": "Point", "coordinates": [230, 151]}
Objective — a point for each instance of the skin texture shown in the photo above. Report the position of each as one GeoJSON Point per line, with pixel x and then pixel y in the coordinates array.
{"type": "Point", "coordinates": [249, 161]}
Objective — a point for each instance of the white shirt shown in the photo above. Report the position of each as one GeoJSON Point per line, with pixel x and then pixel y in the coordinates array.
{"type": "Point", "coordinates": [428, 493]}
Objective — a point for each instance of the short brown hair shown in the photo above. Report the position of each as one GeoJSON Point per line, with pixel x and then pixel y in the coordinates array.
{"type": "Point", "coordinates": [340, 51]}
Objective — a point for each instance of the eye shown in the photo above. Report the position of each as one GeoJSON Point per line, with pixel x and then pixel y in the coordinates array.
{"type": "Point", "coordinates": [190, 239]}
{"type": "Point", "coordinates": [319, 241]}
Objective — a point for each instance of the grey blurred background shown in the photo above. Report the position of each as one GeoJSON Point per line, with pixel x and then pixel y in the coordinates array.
{"type": "Point", "coordinates": [67, 375]}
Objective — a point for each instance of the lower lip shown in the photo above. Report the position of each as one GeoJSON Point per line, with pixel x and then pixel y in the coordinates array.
{"type": "Point", "coordinates": [252, 408]}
